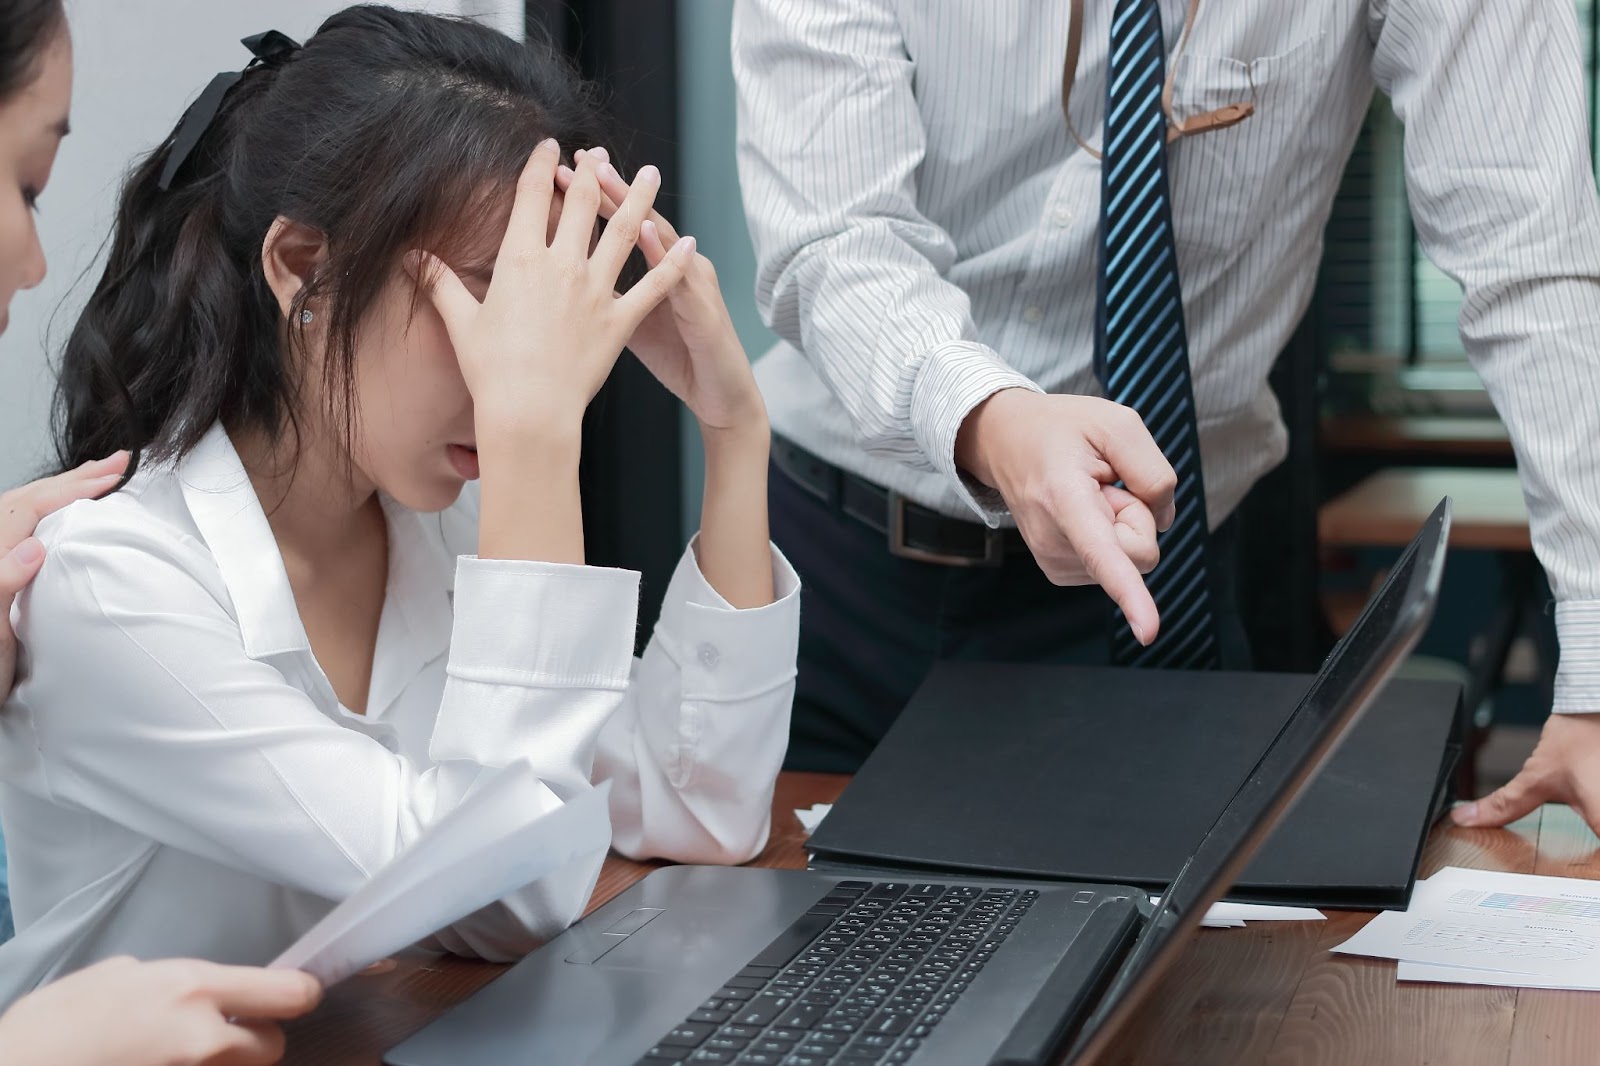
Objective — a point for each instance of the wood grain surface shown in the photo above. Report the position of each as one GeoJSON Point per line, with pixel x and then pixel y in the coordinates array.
{"type": "Point", "coordinates": [1270, 993]}
{"type": "Point", "coordinates": [1461, 436]}
{"type": "Point", "coordinates": [1388, 508]}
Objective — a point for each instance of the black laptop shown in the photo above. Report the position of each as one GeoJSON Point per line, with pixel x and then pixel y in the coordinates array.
{"type": "Point", "coordinates": [800, 968]}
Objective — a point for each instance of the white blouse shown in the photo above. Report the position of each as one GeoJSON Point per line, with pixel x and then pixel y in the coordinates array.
{"type": "Point", "coordinates": [177, 776]}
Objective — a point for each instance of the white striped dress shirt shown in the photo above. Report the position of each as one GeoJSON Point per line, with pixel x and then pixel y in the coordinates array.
{"type": "Point", "coordinates": [925, 227]}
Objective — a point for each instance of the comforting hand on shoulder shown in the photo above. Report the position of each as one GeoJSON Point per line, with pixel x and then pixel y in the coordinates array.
{"type": "Point", "coordinates": [21, 510]}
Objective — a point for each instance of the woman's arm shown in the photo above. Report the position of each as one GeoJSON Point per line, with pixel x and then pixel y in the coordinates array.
{"type": "Point", "coordinates": [144, 706]}
{"type": "Point", "coordinates": [694, 751]}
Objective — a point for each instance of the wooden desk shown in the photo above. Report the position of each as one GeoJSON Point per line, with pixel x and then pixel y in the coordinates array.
{"type": "Point", "coordinates": [1388, 508]}
{"type": "Point", "coordinates": [1442, 436]}
{"type": "Point", "coordinates": [1266, 994]}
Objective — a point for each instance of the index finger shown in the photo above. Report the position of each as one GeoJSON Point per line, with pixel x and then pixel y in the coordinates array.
{"type": "Point", "coordinates": [1520, 796]}
{"type": "Point", "coordinates": [530, 211]}
{"type": "Point", "coordinates": [1084, 519]}
{"type": "Point", "coordinates": [267, 995]}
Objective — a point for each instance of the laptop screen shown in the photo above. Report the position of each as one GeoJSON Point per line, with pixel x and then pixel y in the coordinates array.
{"type": "Point", "coordinates": [1352, 675]}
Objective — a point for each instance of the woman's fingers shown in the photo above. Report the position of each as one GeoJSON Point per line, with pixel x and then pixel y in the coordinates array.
{"type": "Point", "coordinates": [622, 233]}
{"type": "Point", "coordinates": [657, 283]}
{"type": "Point", "coordinates": [564, 176]}
{"type": "Point", "coordinates": [446, 291]}
{"type": "Point", "coordinates": [23, 508]}
{"type": "Point", "coordinates": [580, 208]}
{"type": "Point", "coordinates": [650, 243]}
{"type": "Point", "coordinates": [530, 211]}
{"type": "Point", "coordinates": [613, 190]}
{"type": "Point", "coordinates": [18, 567]}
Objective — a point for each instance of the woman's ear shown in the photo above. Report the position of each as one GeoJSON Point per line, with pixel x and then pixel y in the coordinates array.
{"type": "Point", "coordinates": [291, 255]}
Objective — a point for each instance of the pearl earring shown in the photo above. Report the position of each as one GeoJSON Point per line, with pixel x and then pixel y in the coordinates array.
{"type": "Point", "coordinates": [306, 317]}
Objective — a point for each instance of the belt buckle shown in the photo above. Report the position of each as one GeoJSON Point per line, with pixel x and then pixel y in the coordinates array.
{"type": "Point", "coordinates": [994, 548]}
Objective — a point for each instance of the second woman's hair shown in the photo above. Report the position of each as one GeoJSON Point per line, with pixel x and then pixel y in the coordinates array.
{"type": "Point", "coordinates": [26, 27]}
{"type": "Point", "coordinates": [386, 130]}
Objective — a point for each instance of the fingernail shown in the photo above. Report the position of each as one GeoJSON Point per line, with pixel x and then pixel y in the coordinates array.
{"type": "Point", "coordinates": [648, 228]}
{"type": "Point", "coordinates": [609, 173]}
{"type": "Point", "coordinates": [108, 479]}
{"type": "Point", "coordinates": [565, 171]}
{"type": "Point", "coordinates": [684, 247]}
{"type": "Point", "coordinates": [1466, 814]}
{"type": "Point", "coordinates": [1138, 632]}
{"type": "Point", "coordinates": [546, 145]}
{"type": "Point", "coordinates": [647, 174]}
{"type": "Point", "coordinates": [28, 552]}
{"type": "Point", "coordinates": [600, 153]}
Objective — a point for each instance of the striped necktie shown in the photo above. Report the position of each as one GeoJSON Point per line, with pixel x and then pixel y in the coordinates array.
{"type": "Point", "coordinates": [1142, 353]}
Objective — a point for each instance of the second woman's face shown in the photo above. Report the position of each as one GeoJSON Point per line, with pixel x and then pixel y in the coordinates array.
{"type": "Point", "coordinates": [32, 122]}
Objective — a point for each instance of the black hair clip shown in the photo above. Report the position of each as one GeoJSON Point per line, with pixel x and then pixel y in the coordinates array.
{"type": "Point", "coordinates": [265, 47]}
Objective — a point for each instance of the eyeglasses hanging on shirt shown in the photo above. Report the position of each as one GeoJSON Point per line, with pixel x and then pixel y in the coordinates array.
{"type": "Point", "coordinates": [1205, 122]}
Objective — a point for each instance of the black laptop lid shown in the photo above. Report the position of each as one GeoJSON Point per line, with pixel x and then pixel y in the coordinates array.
{"type": "Point", "coordinates": [1358, 666]}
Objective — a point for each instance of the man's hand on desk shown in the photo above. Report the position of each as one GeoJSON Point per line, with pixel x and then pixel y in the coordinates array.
{"type": "Point", "coordinates": [1564, 768]}
{"type": "Point", "coordinates": [1055, 460]}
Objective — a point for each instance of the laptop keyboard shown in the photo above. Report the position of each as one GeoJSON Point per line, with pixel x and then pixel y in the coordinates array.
{"type": "Point", "coordinates": [862, 977]}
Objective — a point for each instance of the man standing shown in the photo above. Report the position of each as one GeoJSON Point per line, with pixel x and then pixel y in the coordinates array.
{"type": "Point", "coordinates": [973, 221]}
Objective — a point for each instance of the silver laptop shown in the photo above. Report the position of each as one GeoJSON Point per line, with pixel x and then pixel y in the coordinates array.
{"type": "Point", "coordinates": [760, 967]}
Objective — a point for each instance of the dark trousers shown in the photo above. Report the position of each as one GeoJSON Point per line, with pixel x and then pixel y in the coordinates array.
{"type": "Point", "coordinates": [873, 624]}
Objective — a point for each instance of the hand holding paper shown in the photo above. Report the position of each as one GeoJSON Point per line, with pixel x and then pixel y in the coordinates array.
{"type": "Point", "coordinates": [483, 850]}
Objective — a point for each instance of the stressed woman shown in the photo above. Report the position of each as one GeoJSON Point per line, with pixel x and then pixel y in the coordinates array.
{"type": "Point", "coordinates": [349, 326]}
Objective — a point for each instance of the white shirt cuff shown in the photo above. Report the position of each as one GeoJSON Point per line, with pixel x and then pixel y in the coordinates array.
{"type": "Point", "coordinates": [955, 378]}
{"type": "Point", "coordinates": [1578, 675]}
{"type": "Point", "coordinates": [545, 625]}
{"type": "Point", "coordinates": [725, 653]}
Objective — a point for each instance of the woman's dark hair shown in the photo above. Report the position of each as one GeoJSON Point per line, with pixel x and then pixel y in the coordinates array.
{"type": "Point", "coordinates": [26, 27]}
{"type": "Point", "coordinates": [388, 130]}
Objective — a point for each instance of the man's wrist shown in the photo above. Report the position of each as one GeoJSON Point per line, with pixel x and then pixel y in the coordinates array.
{"type": "Point", "coordinates": [973, 452]}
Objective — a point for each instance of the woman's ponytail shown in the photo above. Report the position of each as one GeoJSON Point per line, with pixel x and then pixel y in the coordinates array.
{"type": "Point", "coordinates": [146, 366]}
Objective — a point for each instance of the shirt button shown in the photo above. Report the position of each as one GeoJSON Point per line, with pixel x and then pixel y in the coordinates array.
{"type": "Point", "coordinates": [1062, 216]}
{"type": "Point", "coordinates": [1032, 314]}
{"type": "Point", "coordinates": [710, 656]}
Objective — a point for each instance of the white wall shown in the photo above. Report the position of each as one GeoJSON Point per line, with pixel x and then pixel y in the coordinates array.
{"type": "Point", "coordinates": [138, 64]}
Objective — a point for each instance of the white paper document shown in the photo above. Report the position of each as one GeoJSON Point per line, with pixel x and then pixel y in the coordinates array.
{"type": "Point", "coordinates": [1484, 927]}
{"type": "Point", "coordinates": [1235, 915]}
{"type": "Point", "coordinates": [812, 816]}
{"type": "Point", "coordinates": [1464, 975]}
{"type": "Point", "coordinates": [485, 849]}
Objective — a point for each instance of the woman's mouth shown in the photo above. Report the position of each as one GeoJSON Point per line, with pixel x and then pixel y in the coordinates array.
{"type": "Point", "coordinates": [465, 460]}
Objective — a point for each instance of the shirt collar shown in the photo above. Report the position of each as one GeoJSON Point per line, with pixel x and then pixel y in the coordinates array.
{"type": "Point", "coordinates": [225, 509]}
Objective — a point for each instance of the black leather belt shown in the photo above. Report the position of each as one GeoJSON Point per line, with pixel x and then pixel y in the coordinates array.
{"type": "Point", "coordinates": [913, 531]}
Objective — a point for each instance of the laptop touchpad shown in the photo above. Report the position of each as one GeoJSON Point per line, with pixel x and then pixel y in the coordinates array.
{"type": "Point", "coordinates": [674, 939]}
